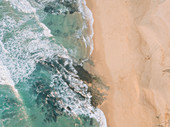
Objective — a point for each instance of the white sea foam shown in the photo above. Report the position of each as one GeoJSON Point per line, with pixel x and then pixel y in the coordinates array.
{"type": "Point", "coordinates": [88, 16]}
{"type": "Point", "coordinates": [5, 79]}
{"type": "Point", "coordinates": [22, 5]}
{"type": "Point", "coordinates": [2, 47]}
{"type": "Point", "coordinates": [5, 75]}
{"type": "Point", "coordinates": [101, 118]}
{"type": "Point", "coordinates": [47, 32]}
{"type": "Point", "coordinates": [25, 6]}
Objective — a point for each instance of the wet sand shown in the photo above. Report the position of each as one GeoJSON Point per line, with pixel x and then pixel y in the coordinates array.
{"type": "Point", "coordinates": [132, 55]}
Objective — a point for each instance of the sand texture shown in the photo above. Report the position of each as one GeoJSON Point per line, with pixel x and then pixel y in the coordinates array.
{"type": "Point", "coordinates": [132, 54]}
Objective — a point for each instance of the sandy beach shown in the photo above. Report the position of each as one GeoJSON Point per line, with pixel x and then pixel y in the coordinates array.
{"type": "Point", "coordinates": [132, 55]}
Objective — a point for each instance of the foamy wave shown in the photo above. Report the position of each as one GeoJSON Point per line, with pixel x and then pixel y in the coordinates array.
{"type": "Point", "coordinates": [2, 47]}
{"type": "Point", "coordinates": [101, 118]}
{"type": "Point", "coordinates": [22, 5]}
{"type": "Point", "coordinates": [5, 76]}
{"type": "Point", "coordinates": [88, 16]}
{"type": "Point", "coordinates": [47, 32]}
{"type": "Point", "coordinates": [5, 79]}
{"type": "Point", "coordinates": [25, 6]}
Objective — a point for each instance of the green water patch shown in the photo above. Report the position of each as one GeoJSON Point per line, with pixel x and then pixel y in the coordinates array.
{"type": "Point", "coordinates": [68, 31]}
{"type": "Point", "coordinates": [82, 121]}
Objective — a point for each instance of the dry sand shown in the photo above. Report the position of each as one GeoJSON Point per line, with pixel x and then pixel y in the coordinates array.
{"type": "Point", "coordinates": [132, 53]}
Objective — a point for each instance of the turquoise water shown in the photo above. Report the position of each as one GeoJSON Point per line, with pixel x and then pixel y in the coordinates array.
{"type": "Point", "coordinates": [40, 41]}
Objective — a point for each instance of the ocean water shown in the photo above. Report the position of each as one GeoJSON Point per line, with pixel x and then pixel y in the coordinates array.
{"type": "Point", "coordinates": [40, 43]}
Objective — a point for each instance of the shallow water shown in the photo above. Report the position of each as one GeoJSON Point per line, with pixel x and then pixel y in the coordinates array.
{"type": "Point", "coordinates": [39, 43]}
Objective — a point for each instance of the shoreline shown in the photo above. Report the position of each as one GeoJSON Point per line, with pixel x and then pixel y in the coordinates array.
{"type": "Point", "coordinates": [98, 57]}
{"type": "Point", "coordinates": [131, 55]}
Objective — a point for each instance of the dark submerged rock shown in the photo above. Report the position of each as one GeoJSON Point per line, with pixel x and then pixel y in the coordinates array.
{"type": "Point", "coordinates": [83, 74]}
{"type": "Point", "coordinates": [97, 96]}
{"type": "Point", "coordinates": [55, 7]}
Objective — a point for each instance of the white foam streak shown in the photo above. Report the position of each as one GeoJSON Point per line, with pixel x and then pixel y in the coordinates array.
{"type": "Point", "coordinates": [22, 5]}
{"type": "Point", "coordinates": [2, 46]}
{"type": "Point", "coordinates": [25, 6]}
{"type": "Point", "coordinates": [5, 75]}
{"type": "Point", "coordinates": [5, 79]}
{"type": "Point", "coordinates": [101, 118]}
{"type": "Point", "coordinates": [89, 17]}
{"type": "Point", "coordinates": [47, 32]}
